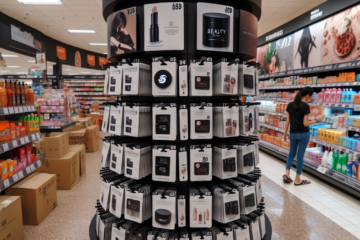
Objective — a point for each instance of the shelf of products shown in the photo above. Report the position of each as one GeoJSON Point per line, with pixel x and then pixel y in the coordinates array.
{"type": "Point", "coordinates": [18, 142]}
{"type": "Point", "coordinates": [19, 175]}
{"type": "Point", "coordinates": [5, 111]}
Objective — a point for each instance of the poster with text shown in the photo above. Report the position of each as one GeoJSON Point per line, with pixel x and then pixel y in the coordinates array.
{"type": "Point", "coordinates": [215, 27]}
{"type": "Point", "coordinates": [121, 26]}
{"type": "Point", "coordinates": [307, 42]}
{"type": "Point", "coordinates": [248, 33]}
{"type": "Point", "coordinates": [277, 56]}
{"type": "Point", "coordinates": [164, 26]}
{"type": "Point", "coordinates": [341, 37]}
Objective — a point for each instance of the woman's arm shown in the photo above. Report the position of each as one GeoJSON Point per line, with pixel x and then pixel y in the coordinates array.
{"type": "Point", "coordinates": [286, 125]}
{"type": "Point", "coordinates": [116, 43]}
{"type": "Point", "coordinates": [307, 122]}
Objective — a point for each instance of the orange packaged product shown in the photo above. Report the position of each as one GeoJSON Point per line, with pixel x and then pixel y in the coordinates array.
{"type": "Point", "coordinates": [13, 130]}
{"type": "Point", "coordinates": [277, 142]}
{"type": "Point", "coordinates": [3, 95]}
{"type": "Point", "coordinates": [4, 173]}
{"type": "Point", "coordinates": [18, 131]}
{"type": "Point", "coordinates": [11, 167]}
{"type": "Point", "coordinates": [8, 132]}
{"type": "Point", "coordinates": [282, 107]}
{"type": "Point", "coordinates": [277, 109]}
{"type": "Point", "coordinates": [22, 130]}
{"type": "Point", "coordinates": [271, 120]}
{"type": "Point", "coordinates": [2, 132]}
{"type": "Point", "coordinates": [276, 121]}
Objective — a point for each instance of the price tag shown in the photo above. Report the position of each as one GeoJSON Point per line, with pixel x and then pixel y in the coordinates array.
{"type": "Point", "coordinates": [15, 177]}
{"type": "Point", "coordinates": [11, 110]}
{"type": "Point", "coordinates": [6, 111]}
{"type": "Point", "coordinates": [24, 108]}
{"type": "Point", "coordinates": [22, 141]}
{"type": "Point", "coordinates": [30, 138]}
{"type": "Point", "coordinates": [27, 139]}
{"type": "Point", "coordinates": [38, 162]}
{"type": "Point", "coordinates": [347, 84]}
{"type": "Point", "coordinates": [14, 143]}
{"type": "Point", "coordinates": [32, 167]}
{"type": "Point", "coordinates": [28, 108]}
{"type": "Point", "coordinates": [20, 110]}
{"type": "Point", "coordinates": [20, 174]}
{"type": "Point", "coordinates": [357, 107]}
{"type": "Point", "coordinates": [33, 108]}
{"type": "Point", "coordinates": [33, 136]}
{"type": "Point", "coordinates": [16, 110]}
{"type": "Point", "coordinates": [28, 170]}
{"type": "Point", "coordinates": [38, 135]}
{"type": "Point", "coordinates": [322, 169]}
{"type": "Point", "coordinates": [6, 183]}
{"type": "Point", "coordinates": [6, 147]}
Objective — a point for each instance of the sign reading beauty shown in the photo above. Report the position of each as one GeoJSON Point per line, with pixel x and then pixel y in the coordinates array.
{"type": "Point", "coordinates": [61, 53]}
{"type": "Point", "coordinates": [91, 60]}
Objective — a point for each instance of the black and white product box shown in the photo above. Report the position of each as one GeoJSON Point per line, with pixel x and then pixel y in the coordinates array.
{"type": "Point", "coordinates": [160, 234]}
{"type": "Point", "coordinates": [164, 163]}
{"type": "Point", "coordinates": [226, 120]}
{"type": "Point", "coordinates": [104, 195]}
{"type": "Point", "coordinates": [215, 27]}
{"type": "Point", "coordinates": [137, 161]}
{"type": "Point", "coordinates": [222, 234]}
{"type": "Point", "coordinates": [257, 156]}
{"type": "Point", "coordinates": [258, 190]}
{"type": "Point", "coordinates": [116, 120]}
{"type": "Point", "coordinates": [136, 78]}
{"type": "Point", "coordinates": [255, 230]}
{"type": "Point", "coordinates": [247, 199]}
{"type": "Point", "coordinates": [115, 80]}
{"type": "Point", "coordinates": [226, 205]}
{"type": "Point", "coordinates": [164, 77]}
{"type": "Point", "coordinates": [136, 120]}
{"type": "Point", "coordinates": [242, 233]}
{"type": "Point", "coordinates": [117, 158]}
{"type": "Point", "coordinates": [247, 80]}
{"type": "Point", "coordinates": [164, 26]}
{"type": "Point", "coordinates": [247, 114]}
{"type": "Point", "coordinates": [106, 81]}
{"type": "Point", "coordinates": [201, 121]}
{"type": "Point", "coordinates": [200, 207]}
{"type": "Point", "coordinates": [117, 198]}
{"type": "Point", "coordinates": [181, 210]}
{"type": "Point", "coordinates": [183, 165]}
{"type": "Point", "coordinates": [105, 124]}
{"type": "Point", "coordinates": [164, 208]}
{"type": "Point", "coordinates": [225, 77]}
{"type": "Point", "coordinates": [225, 161]}
{"type": "Point", "coordinates": [138, 204]}
{"type": "Point", "coordinates": [201, 77]}
{"type": "Point", "coordinates": [202, 234]}
{"type": "Point", "coordinates": [200, 163]}
{"type": "Point", "coordinates": [164, 121]}
{"type": "Point", "coordinates": [183, 79]}
{"type": "Point", "coordinates": [105, 155]}
{"type": "Point", "coordinates": [256, 118]}
{"type": "Point", "coordinates": [183, 122]}
{"type": "Point", "coordinates": [246, 158]}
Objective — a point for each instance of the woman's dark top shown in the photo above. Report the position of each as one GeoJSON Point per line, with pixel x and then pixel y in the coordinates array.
{"type": "Point", "coordinates": [125, 39]}
{"type": "Point", "coordinates": [297, 117]}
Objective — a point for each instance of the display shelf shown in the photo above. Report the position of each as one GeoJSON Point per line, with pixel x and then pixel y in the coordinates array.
{"type": "Point", "coordinates": [319, 85]}
{"type": "Point", "coordinates": [93, 236]}
{"type": "Point", "coordinates": [334, 146]}
{"type": "Point", "coordinates": [19, 175]}
{"type": "Point", "coordinates": [272, 127]}
{"type": "Point", "coordinates": [86, 81]}
{"type": "Point", "coordinates": [346, 183]}
{"type": "Point", "coordinates": [50, 129]}
{"type": "Point", "coordinates": [85, 86]}
{"type": "Point", "coordinates": [5, 111]}
{"type": "Point", "coordinates": [274, 113]}
{"type": "Point", "coordinates": [11, 144]}
{"type": "Point", "coordinates": [343, 105]}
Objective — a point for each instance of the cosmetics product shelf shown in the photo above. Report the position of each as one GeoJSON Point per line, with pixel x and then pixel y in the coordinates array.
{"type": "Point", "coordinates": [19, 175]}
{"type": "Point", "coordinates": [6, 111]}
{"type": "Point", "coordinates": [320, 85]}
{"type": "Point", "coordinates": [272, 127]}
{"type": "Point", "coordinates": [346, 183]}
{"type": "Point", "coordinates": [274, 113]}
{"type": "Point", "coordinates": [333, 146]}
{"type": "Point", "coordinates": [14, 143]}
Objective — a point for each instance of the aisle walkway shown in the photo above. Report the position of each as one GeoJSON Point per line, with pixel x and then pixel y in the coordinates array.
{"type": "Point", "coordinates": [291, 217]}
{"type": "Point", "coordinates": [293, 207]}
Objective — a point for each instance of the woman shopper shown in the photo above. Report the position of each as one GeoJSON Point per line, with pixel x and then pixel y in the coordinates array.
{"type": "Point", "coordinates": [298, 117]}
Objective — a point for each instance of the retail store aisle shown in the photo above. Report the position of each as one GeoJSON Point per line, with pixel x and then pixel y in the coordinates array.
{"type": "Point", "coordinates": [291, 208]}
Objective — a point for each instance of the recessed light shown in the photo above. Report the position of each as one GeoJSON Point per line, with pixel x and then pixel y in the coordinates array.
{"type": "Point", "coordinates": [98, 44]}
{"type": "Point", "coordinates": [84, 72]}
{"type": "Point", "coordinates": [81, 31]}
{"type": "Point", "coordinates": [12, 66]}
{"type": "Point", "coordinates": [67, 69]}
{"type": "Point", "coordinates": [31, 61]}
{"type": "Point", "coordinates": [105, 53]}
{"type": "Point", "coordinates": [10, 55]}
{"type": "Point", "coordinates": [41, 2]}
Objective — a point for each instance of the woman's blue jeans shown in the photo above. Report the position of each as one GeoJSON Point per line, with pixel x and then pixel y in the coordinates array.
{"type": "Point", "coordinates": [298, 144]}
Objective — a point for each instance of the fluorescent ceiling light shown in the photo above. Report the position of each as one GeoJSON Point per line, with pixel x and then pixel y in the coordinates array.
{"type": "Point", "coordinates": [4, 71]}
{"type": "Point", "coordinates": [10, 55]}
{"type": "Point", "coordinates": [98, 44]}
{"type": "Point", "coordinates": [32, 61]}
{"type": "Point", "coordinates": [67, 69]}
{"type": "Point", "coordinates": [85, 72]}
{"type": "Point", "coordinates": [105, 53]}
{"type": "Point", "coordinates": [41, 2]}
{"type": "Point", "coordinates": [12, 66]}
{"type": "Point", "coordinates": [81, 31]}
{"type": "Point", "coordinates": [49, 67]}
{"type": "Point", "coordinates": [21, 73]}
{"type": "Point", "coordinates": [100, 73]}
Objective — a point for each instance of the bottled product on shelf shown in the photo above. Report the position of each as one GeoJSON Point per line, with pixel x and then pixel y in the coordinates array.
{"type": "Point", "coordinates": [9, 93]}
{"type": "Point", "coordinates": [3, 95]}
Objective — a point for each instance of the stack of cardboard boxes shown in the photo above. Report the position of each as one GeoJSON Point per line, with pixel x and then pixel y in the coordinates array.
{"type": "Point", "coordinates": [92, 132]}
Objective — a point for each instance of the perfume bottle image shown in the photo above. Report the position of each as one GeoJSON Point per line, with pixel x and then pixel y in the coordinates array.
{"type": "Point", "coordinates": [232, 84]}
{"type": "Point", "coordinates": [200, 218]}
{"type": "Point", "coordinates": [184, 129]}
{"type": "Point", "coordinates": [154, 27]}
{"type": "Point", "coordinates": [183, 86]}
{"type": "Point", "coordinates": [234, 125]}
{"type": "Point", "coordinates": [194, 214]}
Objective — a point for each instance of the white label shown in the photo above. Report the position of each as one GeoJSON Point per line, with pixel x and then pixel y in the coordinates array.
{"type": "Point", "coordinates": [21, 110]}
{"type": "Point", "coordinates": [181, 204]}
{"type": "Point", "coordinates": [183, 81]}
{"type": "Point", "coordinates": [22, 140]}
{"type": "Point", "coordinates": [32, 167]}
{"type": "Point", "coordinates": [6, 202]}
{"type": "Point", "coordinates": [184, 125]}
{"type": "Point", "coordinates": [6, 147]}
{"type": "Point", "coordinates": [38, 135]}
{"type": "Point", "coordinates": [28, 170]}
{"type": "Point", "coordinates": [28, 108]}
{"type": "Point", "coordinates": [6, 111]}
{"type": "Point", "coordinates": [33, 136]}
{"type": "Point", "coordinates": [20, 175]}
{"type": "Point", "coordinates": [183, 167]}
{"type": "Point", "coordinates": [15, 177]}
{"type": "Point", "coordinates": [33, 109]}
{"type": "Point", "coordinates": [11, 110]}
{"type": "Point", "coordinates": [38, 162]}
{"type": "Point", "coordinates": [24, 109]}
{"type": "Point", "coordinates": [27, 139]}
{"type": "Point", "coordinates": [16, 110]}
{"type": "Point", "coordinates": [6, 183]}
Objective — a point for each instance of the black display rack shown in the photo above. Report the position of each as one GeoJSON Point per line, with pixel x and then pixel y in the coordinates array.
{"type": "Point", "coordinates": [50, 129]}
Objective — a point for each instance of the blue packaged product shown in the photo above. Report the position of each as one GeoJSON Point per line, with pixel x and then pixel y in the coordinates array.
{"type": "Point", "coordinates": [354, 144]}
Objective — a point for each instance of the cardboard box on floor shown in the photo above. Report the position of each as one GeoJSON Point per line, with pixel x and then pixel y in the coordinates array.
{"type": "Point", "coordinates": [92, 138]}
{"type": "Point", "coordinates": [81, 151]}
{"type": "Point", "coordinates": [66, 169]}
{"type": "Point", "coordinates": [38, 196]}
{"type": "Point", "coordinates": [11, 218]}
{"type": "Point", "coordinates": [56, 145]}
{"type": "Point", "coordinates": [77, 137]}
{"type": "Point", "coordinates": [77, 127]}
{"type": "Point", "coordinates": [94, 117]}
{"type": "Point", "coordinates": [38, 148]}
{"type": "Point", "coordinates": [86, 122]}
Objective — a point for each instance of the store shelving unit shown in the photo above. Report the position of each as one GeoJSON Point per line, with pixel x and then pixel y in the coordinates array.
{"type": "Point", "coordinates": [50, 129]}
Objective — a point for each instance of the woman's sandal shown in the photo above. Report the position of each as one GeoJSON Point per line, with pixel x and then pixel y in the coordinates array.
{"type": "Point", "coordinates": [303, 182]}
{"type": "Point", "coordinates": [286, 179]}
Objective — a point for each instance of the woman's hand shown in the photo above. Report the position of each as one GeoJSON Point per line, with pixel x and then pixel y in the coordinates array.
{"type": "Point", "coordinates": [284, 138]}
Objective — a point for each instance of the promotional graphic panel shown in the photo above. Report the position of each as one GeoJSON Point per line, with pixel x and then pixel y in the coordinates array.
{"type": "Point", "coordinates": [77, 59]}
{"type": "Point", "coordinates": [164, 26]}
{"type": "Point", "coordinates": [248, 33]}
{"type": "Point", "coordinates": [121, 27]}
{"type": "Point", "coordinates": [215, 27]}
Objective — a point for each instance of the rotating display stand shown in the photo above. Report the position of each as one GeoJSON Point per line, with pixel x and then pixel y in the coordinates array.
{"type": "Point", "coordinates": [183, 57]}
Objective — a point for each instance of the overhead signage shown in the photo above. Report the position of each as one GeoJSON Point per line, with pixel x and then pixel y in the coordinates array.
{"type": "Point", "coordinates": [24, 38]}
{"type": "Point", "coordinates": [91, 60]}
{"type": "Point", "coordinates": [61, 53]}
{"type": "Point", "coordinates": [315, 14]}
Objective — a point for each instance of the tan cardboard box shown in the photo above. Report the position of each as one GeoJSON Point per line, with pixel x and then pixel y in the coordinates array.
{"type": "Point", "coordinates": [92, 138]}
{"type": "Point", "coordinates": [11, 218]}
{"type": "Point", "coordinates": [81, 150]}
{"type": "Point", "coordinates": [77, 126]}
{"type": "Point", "coordinates": [86, 122]}
{"type": "Point", "coordinates": [77, 137]}
{"type": "Point", "coordinates": [56, 145]}
{"type": "Point", "coordinates": [38, 196]}
{"type": "Point", "coordinates": [38, 148]}
{"type": "Point", "coordinates": [93, 117]}
{"type": "Point", "coordinates": [66, 170]}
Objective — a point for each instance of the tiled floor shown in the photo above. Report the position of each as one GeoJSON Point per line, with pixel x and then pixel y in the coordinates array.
{"type": "Point", "coordinates": [335, 205]}
{"type": "Point", "coordinates": [290, 209]}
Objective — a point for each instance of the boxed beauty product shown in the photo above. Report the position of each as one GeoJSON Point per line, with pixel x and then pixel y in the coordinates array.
{"type": "Point", "coordinates": [115, 80]}
{"type": "Point", "coordinates": [247, 80]}
{"type": "Point", "coordinates": [183, 165]}
{"type": "Point", "coordinates": [247, 114]}
{"type": "Point", "coordinates": [164, 121]}
{"type": "Point", "coordinates": [201, 163]}
{"type": "Point", "coordinates": [201, 121]}
{"type": "Point", "coordinates": [164, 208]}
{"type": "Point", "coordinates": [164, 163]}
{"type": "Point", "coordinates": [201, 77]}
{"type": "Point", "coordinates": [136, 77]}
{"type": "Point", "coordinates": [225, 77]}
{"type": "Point", "coordinates": [200, 201]}
{"type": "Point", "coordinates": [164, 77]}
{"type": "Point", "coordinates": [183, 79]}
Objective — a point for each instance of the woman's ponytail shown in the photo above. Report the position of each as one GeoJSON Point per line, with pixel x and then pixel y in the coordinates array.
{"type": "Point", "coordinates": [302, 93]}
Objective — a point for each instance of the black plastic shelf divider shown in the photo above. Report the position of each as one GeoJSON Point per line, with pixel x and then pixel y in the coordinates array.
{"type": "Point", "coordinates": [50, 129]}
